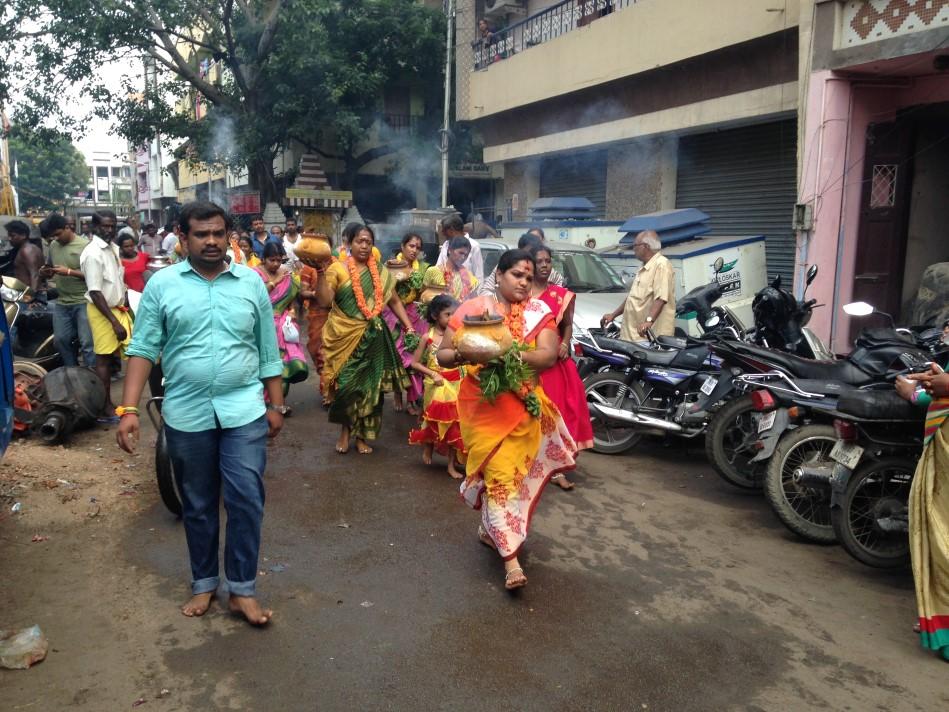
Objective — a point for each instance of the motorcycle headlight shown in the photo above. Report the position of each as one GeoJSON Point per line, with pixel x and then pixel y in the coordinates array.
{"type": "Point", "coordinates": [712, 321]}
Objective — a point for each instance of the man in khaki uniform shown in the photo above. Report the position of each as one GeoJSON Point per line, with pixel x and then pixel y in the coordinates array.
{"type": "Point", "coordinates": [651, 300]}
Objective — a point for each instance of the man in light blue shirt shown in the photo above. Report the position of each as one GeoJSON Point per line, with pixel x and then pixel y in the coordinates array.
{"type": "Point", "coordinates": [212, 325]}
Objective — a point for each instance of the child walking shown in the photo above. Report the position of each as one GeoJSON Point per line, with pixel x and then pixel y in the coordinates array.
{"type": "Point", "coordinates": [439, 429]}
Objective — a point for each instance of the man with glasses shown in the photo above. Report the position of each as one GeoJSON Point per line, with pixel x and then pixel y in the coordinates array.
{"type": "Point", "coordinates": [651, 300]}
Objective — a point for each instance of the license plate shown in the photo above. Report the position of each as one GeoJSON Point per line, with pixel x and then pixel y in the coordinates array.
{"type": "Point", "coordinates": [709, 385]}
{"type": "Point", "coordinates": [767, 420]}
{"type": "Point", "coordinates": [847, 454]}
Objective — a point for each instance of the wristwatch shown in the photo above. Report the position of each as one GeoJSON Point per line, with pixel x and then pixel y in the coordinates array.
{"type": "Point", "coordinates": [282, 409]}
{"type": "Point", "coordinates": [649, 320]}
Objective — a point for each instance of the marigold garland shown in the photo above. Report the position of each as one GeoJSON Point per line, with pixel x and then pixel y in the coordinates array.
{"type": "Point", "coordinates": [448, 273]}
{"type": "Point", "coordinates": [514, 321]}
{"type": "Point", "coordinates": [378, 305]}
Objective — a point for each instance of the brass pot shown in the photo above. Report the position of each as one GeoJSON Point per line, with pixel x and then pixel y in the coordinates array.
{"type": "Point", "coordinates": [399, 269]}
{"type": "Point", "coordinates": [482, 339]}
{"type": "Point", "coordinates": [312, 250]}
{"type": "Point", "coordinates": [429, 293]}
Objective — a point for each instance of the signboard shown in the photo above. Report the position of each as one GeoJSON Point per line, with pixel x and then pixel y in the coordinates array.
{"type": "Point", "coordinates": [311, 194]}
{"type": "Point", "coordinates": [730, 276]}
{"type": "Point", "coordinates": [245, 203]}
{"type": "Point", "coordinates": [319, 199]}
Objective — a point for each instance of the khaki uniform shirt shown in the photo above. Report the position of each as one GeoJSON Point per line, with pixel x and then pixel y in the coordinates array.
{"type": "Point", "coordinates": [655, 280]}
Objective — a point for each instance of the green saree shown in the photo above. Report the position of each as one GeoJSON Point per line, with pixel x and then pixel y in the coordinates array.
{"type": "Point", "coordinates": [362, 362]}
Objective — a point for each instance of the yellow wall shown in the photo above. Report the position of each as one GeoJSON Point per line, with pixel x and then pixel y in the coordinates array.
{"type": "Point", "coordinates": [638, 38]}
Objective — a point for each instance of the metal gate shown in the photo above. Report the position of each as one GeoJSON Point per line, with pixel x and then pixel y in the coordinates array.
{"type": "Point", "coordinates": [576, 175]}
{"type": "Point", "coordinates": [746, 180]}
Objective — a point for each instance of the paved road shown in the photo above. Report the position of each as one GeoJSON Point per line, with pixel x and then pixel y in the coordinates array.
{"type": "Point", "coordinates": [653, 585]}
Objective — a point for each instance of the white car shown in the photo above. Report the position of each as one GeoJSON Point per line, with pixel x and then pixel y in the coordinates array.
{"type": "Point", "coordinates": [599, 288]}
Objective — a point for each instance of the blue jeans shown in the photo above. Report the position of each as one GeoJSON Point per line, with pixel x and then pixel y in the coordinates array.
{"type": "Point", "coordinates": [70, 324]}
{"type": "Point", "coordinates": [207, 463]}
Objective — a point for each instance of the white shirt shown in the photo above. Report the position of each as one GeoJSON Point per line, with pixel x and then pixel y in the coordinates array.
{"type": "Point", "coordinates": [474, 263]}
{"type": "Point", "coordinates": [168, 244]}
{"type": "Point", "coordinates": [290, 247]}
{"type": "Point", "coordinates": [103, 270]}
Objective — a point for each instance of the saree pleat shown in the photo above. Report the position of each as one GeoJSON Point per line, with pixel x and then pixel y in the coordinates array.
{"type": "Point", "coordinates": [929, 536]}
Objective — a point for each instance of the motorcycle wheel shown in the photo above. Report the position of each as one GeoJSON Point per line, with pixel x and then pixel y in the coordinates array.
{"type": "Point", "coordinates": [730, 445]}
{"type": "Point", "coordinates": [803, 509]}
{"type": "Point", "coordinates": [876, 494]}
{"type": "Point", "coordinates": [164, 472]}
{"type": "Point", "coordinates": [613, 439]}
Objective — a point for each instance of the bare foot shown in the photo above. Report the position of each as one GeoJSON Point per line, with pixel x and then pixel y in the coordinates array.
{"type": "Point", "coordinates": [485, 538]}
{"type": "Point", "coordinates": [198, 605]}
{"type": "Point", "coordinates": [562, 481]}
{"type": "Point", "coordinates": [362, 448]}
{"type": "Point", "coordinates": [342, 444]}
{"type": "Point", "coordinates": [249, 607]}
{"type": "Point", "coordinates": [397, 402]}
{"type": "Point", "coordinates": [427, 454]}
{"type": "Point", "coordinates": [455, 475]}
{"type": "Point", "coordinates": [413, 410]}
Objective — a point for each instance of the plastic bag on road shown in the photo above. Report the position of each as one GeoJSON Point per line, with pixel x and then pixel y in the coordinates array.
{"type": "Point", "coordinates": [19, 649]}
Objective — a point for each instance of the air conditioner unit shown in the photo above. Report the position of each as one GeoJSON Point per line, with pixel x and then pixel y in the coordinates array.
{"type": "Point", "coordinates": [499, 9]}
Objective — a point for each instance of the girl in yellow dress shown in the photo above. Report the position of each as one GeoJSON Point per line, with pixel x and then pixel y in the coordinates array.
{"type": "Point", "coordinates": [439, 429]}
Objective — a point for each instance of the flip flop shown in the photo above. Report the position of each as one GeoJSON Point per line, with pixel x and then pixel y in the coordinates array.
{"type": "Point", "coordinates": [108, 420]}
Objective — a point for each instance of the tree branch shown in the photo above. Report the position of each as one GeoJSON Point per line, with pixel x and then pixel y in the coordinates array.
{"type": "Point", "coordinates": [267, 36]}
{"type": "Point", "coordinates": [232, 49]}
{"type": "Point", "coordinates": [180, 66]}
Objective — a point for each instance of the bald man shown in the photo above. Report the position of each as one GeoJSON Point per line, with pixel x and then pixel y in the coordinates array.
{"type": "Point", "coordinates": [651, 300]}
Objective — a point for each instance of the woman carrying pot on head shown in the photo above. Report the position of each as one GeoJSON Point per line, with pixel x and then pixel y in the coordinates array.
{"type": "Point", "coordinates": [361, 361]}
{"type": "Point", "coordinates": [284, 289]}
{"type": "Point", "coordinates": [515, 437]}
{"type": "Point", "coordinates": [409, 290]}
{"type": "Point", "coordinates": [562, 382]}
{"type": "Point", "coordinates": [459, 283]}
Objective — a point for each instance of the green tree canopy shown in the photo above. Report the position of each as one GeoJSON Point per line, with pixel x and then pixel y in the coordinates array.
{"type": "Point", "coordinates": [50, 172]}
{"type": "Point", "coordinates": [266, 72]}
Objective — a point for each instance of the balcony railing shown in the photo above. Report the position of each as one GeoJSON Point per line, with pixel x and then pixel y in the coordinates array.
{"type": "Point", "coordinates": [401, 123]}
{"type": "Point", "coordinates": [549, 24]}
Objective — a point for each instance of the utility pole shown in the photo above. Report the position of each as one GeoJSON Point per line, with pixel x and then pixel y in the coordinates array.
{"type": "Point", "coordinates": [446, 130]}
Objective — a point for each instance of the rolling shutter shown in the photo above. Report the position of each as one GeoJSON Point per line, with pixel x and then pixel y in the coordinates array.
{"type": "Point", "coordinates": [576, 175]}
{"type": "Point", "coordinates": [746, 180]}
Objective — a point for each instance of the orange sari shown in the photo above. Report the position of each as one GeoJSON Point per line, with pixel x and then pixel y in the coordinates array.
{"type": "Point", "coordinates": [511, 454]}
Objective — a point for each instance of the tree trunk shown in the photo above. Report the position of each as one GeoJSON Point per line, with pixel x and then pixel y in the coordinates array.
{"type": "Point", "coordinates": [260, 174]}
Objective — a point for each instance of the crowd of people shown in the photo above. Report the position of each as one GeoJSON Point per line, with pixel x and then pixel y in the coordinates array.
{"type": "Point", "coordinates": [226, 319]}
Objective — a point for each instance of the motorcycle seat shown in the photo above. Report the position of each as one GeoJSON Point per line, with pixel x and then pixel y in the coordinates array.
{"type": "Point", "coordinates": [879, 405]}
{"type": "Point", "coordinates": [824, 388]}
{"type": "Point", "coordinates": [635, 350]}
{"type": "Point", "coordinates": [672, 342]}
{"type": "Point", "coordinates": [843, 370]}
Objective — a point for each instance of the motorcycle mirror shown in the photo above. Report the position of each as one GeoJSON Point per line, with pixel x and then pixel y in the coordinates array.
{"type": "Point", "coordinates": [858, 309]}
{"type": "Point", "coordinates": [719, 263]}
{"type": "Point", "coordinates": [811, 274]}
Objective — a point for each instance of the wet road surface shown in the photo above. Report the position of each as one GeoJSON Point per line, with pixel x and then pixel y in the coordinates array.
{"type": "Point", "coordinates": [652, 585]}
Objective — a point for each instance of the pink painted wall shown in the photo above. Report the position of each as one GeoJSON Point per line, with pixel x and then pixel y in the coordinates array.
{"type": "Point", "coordinates": [837, 115]}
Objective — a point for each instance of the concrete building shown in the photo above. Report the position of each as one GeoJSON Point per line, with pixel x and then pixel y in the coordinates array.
{"type": "Point", "coordinates": [640, 105]}
{"type": "Point", "coordinates": [110, 180]}
{"type": "Point", "coordinates": [874, 154]}
{"type": "Point", "coordinates": [154, 186]}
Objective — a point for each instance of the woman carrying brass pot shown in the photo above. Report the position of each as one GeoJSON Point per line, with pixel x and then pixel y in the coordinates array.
{"type": "Point", "coordinates": [515, 436]}
{"type": "Point", "coordinates": [412, 266]}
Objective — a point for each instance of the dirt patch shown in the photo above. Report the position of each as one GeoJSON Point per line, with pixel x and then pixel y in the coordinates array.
{"type": "Point", "coordinates": [47, 488]}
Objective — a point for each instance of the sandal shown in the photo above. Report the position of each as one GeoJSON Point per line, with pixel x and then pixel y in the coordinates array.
{"type": "Point", "coordinates": [561, 480]}
{"type": "Point", "coordinates": [515, 578]}
{"type": "Point", "coordinates": [485, 538]}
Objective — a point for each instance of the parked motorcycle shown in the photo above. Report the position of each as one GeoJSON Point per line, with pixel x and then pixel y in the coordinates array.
{"type": "Point", "coordinates": [879, 441]}
{"type": "Point", "coordinates": [33, 322]}
{"type": "Point", "coordinates": [738, 444]}
{"type": "Point", "coordinates": [656, 387]}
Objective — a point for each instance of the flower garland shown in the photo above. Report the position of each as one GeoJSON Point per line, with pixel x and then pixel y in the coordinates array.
{"type": "Point", "coordinates": [465, 283]}
{"type": "Point", "coordinates": [378, 304]}
{"type": "Point", "coordinates": [514, 321]}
